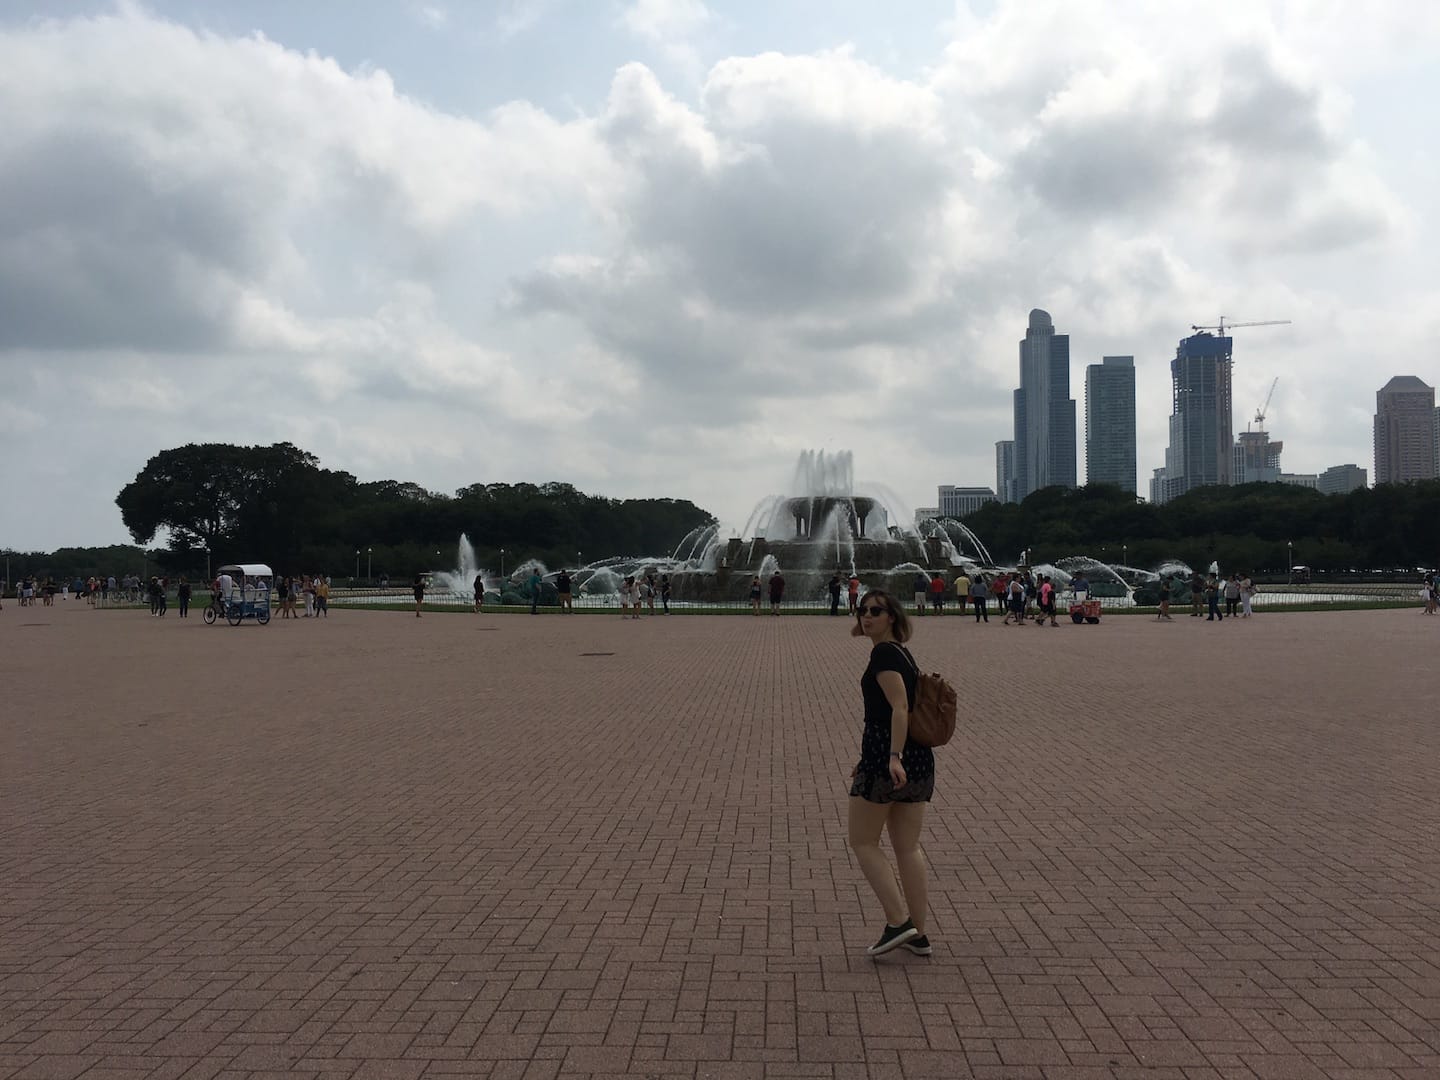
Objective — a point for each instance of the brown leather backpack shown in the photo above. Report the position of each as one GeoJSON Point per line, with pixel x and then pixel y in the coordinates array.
{"type": "Point", "coordinates": [933, 715]}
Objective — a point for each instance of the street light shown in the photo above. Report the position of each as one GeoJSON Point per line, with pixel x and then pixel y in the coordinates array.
{"type": "Point", "coordinates": [1124, 554]}
{"type": "Point", "coordinates": [357, 564]}
{"type": "Point", "coordinates": [579, 560]}
{"type": "Point", "coordinates": [369, 576]}
{"type": "Point", "coordinates": [502, 564]}
{"type": "Point", "coordinates": [1290, 562]}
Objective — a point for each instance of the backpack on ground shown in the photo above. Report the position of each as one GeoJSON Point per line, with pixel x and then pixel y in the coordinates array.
{"type": "Point", "coordinates": [932, 717]}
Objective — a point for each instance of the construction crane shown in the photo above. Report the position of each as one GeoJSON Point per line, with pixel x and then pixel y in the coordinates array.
{"type": "Point", "coordinates": [1222, 324]}
{"type": "Point", "coordinates": [1260, 412]}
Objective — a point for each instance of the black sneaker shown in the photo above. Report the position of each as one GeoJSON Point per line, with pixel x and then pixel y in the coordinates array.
{"type": "Point", "coordinates": [919, 945]}
{"type": "Point", "coordinates": [893, 938]}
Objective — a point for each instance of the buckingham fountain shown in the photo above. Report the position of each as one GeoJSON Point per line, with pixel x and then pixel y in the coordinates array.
{"type": "Point", "coordinates": [822, 524]}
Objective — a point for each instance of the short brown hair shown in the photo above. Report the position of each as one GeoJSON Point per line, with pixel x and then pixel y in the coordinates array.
{"type": "Point", "coordinates": [901, 628]}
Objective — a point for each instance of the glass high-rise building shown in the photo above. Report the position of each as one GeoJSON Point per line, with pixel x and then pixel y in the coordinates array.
{"type": "Point", "coordinates": [1110, 422]}
{"type": "Point", "coordinates": [1044, 410]}
{"type": "Point", "coordinates": [1404, 431]}
{"type": "Point", "coordinates": [1201, 424]}
{"type": "Point", "coordinates": [1005, 481]}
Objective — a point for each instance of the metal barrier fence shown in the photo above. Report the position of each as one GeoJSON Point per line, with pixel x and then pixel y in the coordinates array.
{"type": "Point", "coordinates": [1269, 598]}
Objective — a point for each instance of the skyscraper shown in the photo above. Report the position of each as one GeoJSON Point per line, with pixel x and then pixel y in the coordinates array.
{"type": "Point", "coordinates": [1110, 422]}
{"type": "Point", "coordinates": [1255, 459]}
{"type": "Point", "coordinates": [1404, 431]}
{"type": "Point", "coordinates": [1201, 438]}
{"type": "Point", "coordinates": [1044, 410]}
{"type": "Point", "coordinates": [1005, 482]}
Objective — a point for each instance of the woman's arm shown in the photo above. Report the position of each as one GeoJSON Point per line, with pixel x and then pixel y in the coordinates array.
{"type": "Point", "coordinates": [894, 687]}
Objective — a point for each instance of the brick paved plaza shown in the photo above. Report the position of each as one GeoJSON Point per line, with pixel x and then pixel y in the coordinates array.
{"type": "Point", "coordinates": [505, 846]}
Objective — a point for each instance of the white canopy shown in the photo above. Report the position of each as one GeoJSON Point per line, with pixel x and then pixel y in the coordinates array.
{"type": "Point", "coordinates": [254, 569]}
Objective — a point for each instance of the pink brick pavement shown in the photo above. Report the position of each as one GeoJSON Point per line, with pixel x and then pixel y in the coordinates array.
{"type": "Point", "coordinates": [387, 847]}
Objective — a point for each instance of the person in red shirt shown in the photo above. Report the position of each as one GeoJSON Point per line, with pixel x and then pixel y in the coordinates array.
{"type": "Point", "coordinates": [937, 593]}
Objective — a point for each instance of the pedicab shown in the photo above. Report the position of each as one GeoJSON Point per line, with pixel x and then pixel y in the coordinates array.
{"type": "Point", "coordinates": [248, 596]}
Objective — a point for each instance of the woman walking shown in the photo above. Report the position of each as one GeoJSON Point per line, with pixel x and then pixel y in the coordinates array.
{"type": "Point", "coordinates": [755, 595]}
{"type": "Point", "coordinates": [893, 780]}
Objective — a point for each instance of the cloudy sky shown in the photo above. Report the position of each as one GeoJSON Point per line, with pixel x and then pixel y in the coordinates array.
{"type": "Point", "coordinates": [659, 247]}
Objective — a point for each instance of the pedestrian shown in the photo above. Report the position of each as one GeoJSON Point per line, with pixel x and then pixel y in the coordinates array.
{"type": "Point", "coordinates": [182, 594]}
{"type": "Point", "coordinates": [835, 586]}
{"type": "Point", "coordinates": [648, 591]}
{"type": "Point", "coordinates": [1212, 598]}
{"type": "Point", "coordinates": [1017, 601]}
{"type": "Point", "coordinates": [479, 592]}
{"type": "Point", "coordinates": [625, 598]}
{"type": "Point", "coordinates": [1197, 593]}
{"type": "Point", "coordinates": [322, 597]}
{"type": "Point", "coordinates": [665, 592]}
{"type": "Point", "coordinates": [893, 780]}
{"type": "Point", "coordinates": [635, 598]}
{"type": "Point", "coordinates": [853, 587]}
{"type": "Point", "coordinates": [533, 583]}
{"type": "Point", "coordinates": [1248, 590]}
{"type": "Point", "coordinates": [1232, 595]}
{"type": "Point", "coordinates": [1047, 601]}
{"type": "Point", "coordinates": [921, 587]}
{"type": "Point", "coordinates": [979, 591]}
{"type": "Point", "coordinates": [755, 589]}
{"type": "Point", "coordinates": [962, 590]}
{"type": "Point", "coordinates": [777, 591]}
{"type": "Point", "coordinates": [1164, 601]}
{"type": "Point", "coordinates": [307, 594]}
{"type": "Point", "coordinates": [563, 588]}
{"type": "Point", "coordinates": [937, 593]}
{"type": "Point", "coordinates": [1000, 594]}
{"type": "Point", "coordinates": [418, 587]}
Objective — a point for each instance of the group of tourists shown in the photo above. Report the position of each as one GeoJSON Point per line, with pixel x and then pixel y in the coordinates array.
{"type": "Point", "coordinates": [28, 591]}
{"type": "Point", "coordinates": [638, 593]}
{"type": "Point", "coordinates": [1207, 591]}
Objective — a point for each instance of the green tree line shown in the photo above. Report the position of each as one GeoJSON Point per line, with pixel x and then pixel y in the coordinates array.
{"type": "Point", "coordinates": [276, 504]}
{"type": "Point", "coordinates": [1256, 527]}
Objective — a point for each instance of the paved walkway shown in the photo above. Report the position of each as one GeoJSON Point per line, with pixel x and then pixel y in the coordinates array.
{"type": "Point", "coordinates": [507, 846]}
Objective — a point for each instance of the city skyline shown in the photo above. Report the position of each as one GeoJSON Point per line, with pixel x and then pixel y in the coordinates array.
{"type": "Point", "coordinates": [659, 247]}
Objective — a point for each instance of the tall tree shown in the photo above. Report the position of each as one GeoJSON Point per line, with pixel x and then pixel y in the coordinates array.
{"type": "Point", "coordinates": [200, 492]}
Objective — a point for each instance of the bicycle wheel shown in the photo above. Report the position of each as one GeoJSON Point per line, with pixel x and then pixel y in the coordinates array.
{"type": "Point", "coordinates": [210, 614]}
{"type": "Point", "coordinates": [262, 615]}
{"type": "Point", "coordinates": [235, 614]}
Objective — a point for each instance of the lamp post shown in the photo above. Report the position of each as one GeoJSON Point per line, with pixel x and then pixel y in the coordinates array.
{"type": "Point", "coordinates": [369, 576]}
{"type": "Point", "coordinates": [357, 564]}
{"type": "Point", "coordinates": [1124, 554]}
{"type": "Point", "coordinates": [502, 564]}
{"type": "Point", "coordinates": [579, 560]}
{"type": "Point", "coordinates": [1290, 562]}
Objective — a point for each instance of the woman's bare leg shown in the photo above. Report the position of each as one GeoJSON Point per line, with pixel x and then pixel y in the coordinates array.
{"type": "Point", "coordinates": [867, 822]}
{"type": "Point", "coordinates": [906, 821]}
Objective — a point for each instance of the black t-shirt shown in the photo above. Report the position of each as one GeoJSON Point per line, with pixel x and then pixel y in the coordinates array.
{"type": "Point", "coordinates": [835, 586]}
{"type": "Point", "coordinates": [479, 583]}
{"type": "Point", "coordinates": [919, 761]}
{"type": "Point", "coordinates": [562, 583]}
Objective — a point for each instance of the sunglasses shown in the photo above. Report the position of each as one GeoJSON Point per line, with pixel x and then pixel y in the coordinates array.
{"type": "Point", "coordinates": [875, 610]}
